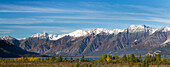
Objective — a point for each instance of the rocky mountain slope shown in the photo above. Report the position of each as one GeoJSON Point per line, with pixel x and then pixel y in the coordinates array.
{"type": "Point", "coordinates": [134, 39]}
{"type": "Point", "coordinates": [9, 50]}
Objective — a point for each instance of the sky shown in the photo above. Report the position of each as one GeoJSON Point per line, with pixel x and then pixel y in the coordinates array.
{"type": "Point", "coordinates": [24, 18]}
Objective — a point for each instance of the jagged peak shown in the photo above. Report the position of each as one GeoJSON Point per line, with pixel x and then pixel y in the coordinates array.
{"type": "Point", "coordinates": [6, 37]}
{"type": "Point", "coordinates": [140, 28]}
{"type": "Point", "coordinates": [96, 29]}
{"type": "Point", "coordinates": [164, 29]}
{"type": "Point", "coordinates": [40, 34]}
{"type": "Point", "coordinates": [78, 33]}
{"type": "Point", "coordinates": [45, 35]}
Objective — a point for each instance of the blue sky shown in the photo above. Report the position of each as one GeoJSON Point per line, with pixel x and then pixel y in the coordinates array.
{"type": "Point", "coordinates": [23, 18]}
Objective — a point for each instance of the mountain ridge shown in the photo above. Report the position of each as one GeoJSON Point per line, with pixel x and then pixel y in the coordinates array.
{"type": "Point", "coordinates": [134, 39]}
{"type": "Point", "coordinates": [79, 33]}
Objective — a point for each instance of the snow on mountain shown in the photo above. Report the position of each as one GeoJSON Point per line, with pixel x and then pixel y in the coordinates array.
{"type": "Point", "coordinates": [6, 37]}
{"type": "Point", "coordinates": [48, 36]}
{"type": "Point", "coordinates": [78, 33]}
{"type": "Point", "coordinates": [56, 37]}
{"type": "Point", "coordinates": [41, 35]}
{"type": "Point", "coordinates": [116, 31]}
{"type": "Point", "coordinates": [100, 30]}
{"type": "Point", "coordinates": [164, 29]}
{"type": "Point", "coordinates": [140, 28]}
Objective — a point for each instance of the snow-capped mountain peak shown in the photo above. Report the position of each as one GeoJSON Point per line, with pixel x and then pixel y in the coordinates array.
{"type": "Point", "coordinates": [78, 33]}
{"type": "Point", "coordinates": [56, 37]}
{"type": "Point", "coordinates": [135, 28]}
{"type": "Point", "coordinates": [41, 35]}
{"type": "Point", "coordinates": [116, 31]}
{"type": "Point", "coordinates": [100, 30]}
{"type": "Point", "coordinates": [48, 36]}
{"type": "Point", "coordinates": [140, 28]}
{"type": "Point", "coordinates": [97, 31]}
{"type": "Point", "coordinates": [6, 37]}
{"type": "Point", "coordinates": [164, 29]}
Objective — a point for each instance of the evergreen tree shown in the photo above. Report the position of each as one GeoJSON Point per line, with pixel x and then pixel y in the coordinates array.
{"type": "Point", "coordinates": [104, 56]}
{"type": "Point", "coordinates": [147, 58]}
{"type": "Point", "coordinates": [164, 59]}
{"type": "Point", "coordinates": [65, 59]}
{"type": "Point", "coordinates": [114, 56]}
{"type": "Point", "coordinates": [124, 58]}
{"type": "Point", "coordinates": [116, 59]}
{"type": "Point", "coordinates": [158, 58]}
{"type": "Point", "coordinates": [153, 58]}
{"type": "Point", "coordinates": [132, 58]}
{"type": "Point", "coordinates": [71, 59]}
{"type": "Point", "coordinates": [82, 59]}
{"type": "Point", "coordinates": [167, 59]}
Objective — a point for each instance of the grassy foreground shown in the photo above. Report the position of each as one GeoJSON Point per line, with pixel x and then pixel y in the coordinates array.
{"type": "Point", "coordinates": [73, 64]}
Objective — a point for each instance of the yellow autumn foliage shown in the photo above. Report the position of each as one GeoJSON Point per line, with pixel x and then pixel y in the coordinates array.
{"type": "Point", "coordinates": [28, 58]}
{"type": "Point", "coordinates": [108, 59]}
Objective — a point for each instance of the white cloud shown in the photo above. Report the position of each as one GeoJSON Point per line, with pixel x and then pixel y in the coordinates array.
{"type": "Point", "coordinates": [84, 16]}
{"type": "Point", "coordinates": [155, 19]}
{"type": "Point", "coordinates": [30, 27]}
{"type": "Point", "coordinates": [14, 11]}
{"type": "Point", "coordinates": [24, 20]}
{"type": "Point", "coordinates": [79, 19]}
{"type": "Point", "coordinates": [159, 20]}
{"type": "Point", "coordinates": [18, 8]}
{"type": "Point", "coordinates": [43, 20]}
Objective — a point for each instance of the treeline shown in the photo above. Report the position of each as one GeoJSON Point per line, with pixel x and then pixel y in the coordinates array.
{"type": "Point", "coordinates": [131, 59]}
{"type": "Point", "coordinates": [156, 59]}
{"type": "Point", "coordinates": [47, 59]}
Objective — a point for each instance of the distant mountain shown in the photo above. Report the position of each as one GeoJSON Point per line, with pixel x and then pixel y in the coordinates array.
{"type": "Point", "coordinates": [10, 39]}
{"type": "Point", "coordinates": [9, 50]}
{"type": "Point", "coordinates": [134, 39]}
{"type": "Point", "coordinates": [79, 33]}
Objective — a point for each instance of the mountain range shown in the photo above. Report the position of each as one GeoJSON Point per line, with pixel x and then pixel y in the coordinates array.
{"type": "Point", "coordinates": [136, 39]}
